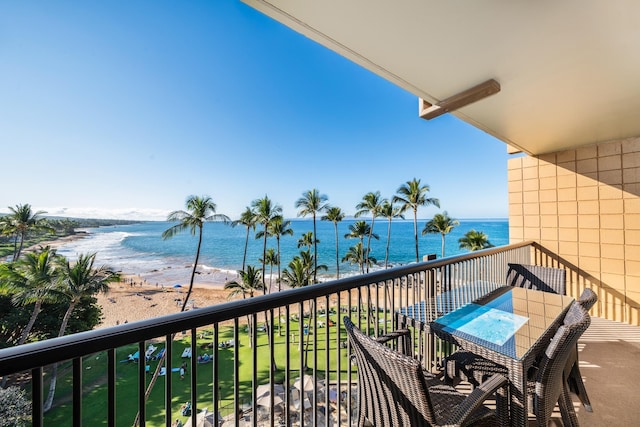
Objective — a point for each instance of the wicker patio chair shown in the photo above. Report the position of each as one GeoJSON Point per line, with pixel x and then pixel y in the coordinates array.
{"type": "Point", "coordinates": [572, 370]}
{"type": "Point", "coordinates": [550, 385]}
{"type": "Point", "coordinates": [547, 279]}
{"type": "Point", "coordinates": [546, 385]}
{"type": "Point", "coordinates": [394, 390]}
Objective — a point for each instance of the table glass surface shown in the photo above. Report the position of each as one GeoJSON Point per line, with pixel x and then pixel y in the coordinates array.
{"type": "Point", "coordinates": [509, 320]}
{"type": "Point", "coordinates": [429, 310]}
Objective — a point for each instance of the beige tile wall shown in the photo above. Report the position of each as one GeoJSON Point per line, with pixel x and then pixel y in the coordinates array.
{"type": "Point", "coordinates": [584, 206]}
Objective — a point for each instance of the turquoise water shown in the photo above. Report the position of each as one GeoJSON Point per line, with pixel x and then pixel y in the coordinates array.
{"type": "Point", "coordinates": [139, 248]}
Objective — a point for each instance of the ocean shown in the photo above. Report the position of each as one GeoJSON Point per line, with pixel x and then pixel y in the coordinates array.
{"type": "Point", "coordinates": [139, 248]}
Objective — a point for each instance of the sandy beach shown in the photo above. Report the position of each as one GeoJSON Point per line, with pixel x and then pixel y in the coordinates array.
{"type": "Point", "coordinates": [152, 294]}
{"type": "Point", "coordinates": [160, 290]}
{"type": "Point", "coordinates": [131, 302]}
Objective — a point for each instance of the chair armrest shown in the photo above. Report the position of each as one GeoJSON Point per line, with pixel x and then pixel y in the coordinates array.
{"type": "Point", "coordinates": [477, 398]}
{"type": "Point", "coordinates": [404, 334]}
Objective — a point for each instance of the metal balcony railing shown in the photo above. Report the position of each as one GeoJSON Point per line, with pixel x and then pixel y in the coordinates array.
{"type": "Point", "coordinates": [257, 348]}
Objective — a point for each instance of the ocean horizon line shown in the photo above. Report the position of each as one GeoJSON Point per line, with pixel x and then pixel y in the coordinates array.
{"type": "Point", "coordinates": [346, 218]}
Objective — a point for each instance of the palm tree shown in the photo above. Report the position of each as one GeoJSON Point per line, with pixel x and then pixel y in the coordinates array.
{"type": "Point", "coordinates": [474, 241]}
{"type": "Point", "coordinates": [271, 260]}
{"type": "Point", "coordinates": [311, 203]}
{"type": "Point", "coordinates": [371, 204]}
{"type": "Point", "coordinates": [20, 221]}
{"type": "Point", "coordinates": [199, 210]}
{"type": "Point", "coordinates": [358, 230]}
{"type": "Point", "coordinates": [307, 240]}
{"type": "Point", "coordinates": [31, 280]}
{"type": "Point", "coordinates": [440, 223]}
{"type": "Point", "coordinates": [296, 275]}
{"type": "Point", "coordinates": [266, 212]}
{"type": "Point", "coordinates": [75, 282]}
{"type": "Point", "coordinates": [357, 255]}
{"type": "Point", "coordinates": [389, 211]}
{"type": "Point", "coordinates": [250, 282]}
{"type": "Point", "coordinates": [278, 227]}
{"type": "Point", "coordinates": [248, 219]}
{"type": "Point", "coordinates": [303, 268]}
{"type": "Point", "coordinates": [335, 215]}
{"type": "Point", "coordinates": [412, 195]}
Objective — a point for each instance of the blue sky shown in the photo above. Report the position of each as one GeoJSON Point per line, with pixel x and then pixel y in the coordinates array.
{"type": "Point", "coordinates": [123, 109]}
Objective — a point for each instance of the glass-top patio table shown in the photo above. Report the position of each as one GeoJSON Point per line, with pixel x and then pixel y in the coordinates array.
{"type": "Point", "coordinates": [507, 325]}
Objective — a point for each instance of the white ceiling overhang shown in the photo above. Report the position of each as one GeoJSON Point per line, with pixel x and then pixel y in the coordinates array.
{"type": "Point", "coordinates": [569, 71]}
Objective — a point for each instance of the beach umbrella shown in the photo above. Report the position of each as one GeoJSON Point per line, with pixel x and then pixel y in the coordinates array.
{"type": "Point", "coordinates": [263, 389]}
{"type": "Point", "coordinates": [306, 384]}
{"type": "Point", "coordinates": [177, 285]}
{"type": "Point", "coordinates": [267, 400]}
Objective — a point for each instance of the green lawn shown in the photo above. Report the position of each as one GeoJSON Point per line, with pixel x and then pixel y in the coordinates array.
{"type": "Point", "coordinates": [95, 397]}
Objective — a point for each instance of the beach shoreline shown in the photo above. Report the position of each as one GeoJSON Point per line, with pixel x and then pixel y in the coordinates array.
{"type": "Point", "coordinates": [145, 295]}
{"type": "Point", "coordinates": [130, 300]}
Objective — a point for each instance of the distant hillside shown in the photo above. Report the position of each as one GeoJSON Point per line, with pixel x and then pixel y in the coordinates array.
{"type": "Point", "coordinates": [87, 222]}
{"type": "Point", "coordinates": [92, 222]}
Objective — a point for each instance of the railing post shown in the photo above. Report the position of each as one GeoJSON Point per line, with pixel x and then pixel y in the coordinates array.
{"type": "Point", "coordinates": [77, 392]}
{"type": "Point", "coordinates": [111, 387]}
{"type": "Point", "coordinates": [36, 397]}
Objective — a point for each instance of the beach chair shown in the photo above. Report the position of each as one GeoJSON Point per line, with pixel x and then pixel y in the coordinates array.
{"type": "Point", "coordinates": [205, 358]}
{"type": "Point", "coordinates": [159, 355]}
{"type": "Point", "coordinates": [186, 353]}
{"type": "Point", "coordinates": [185, 410]}
{"type": "Point", "coordinates": [150, 350]}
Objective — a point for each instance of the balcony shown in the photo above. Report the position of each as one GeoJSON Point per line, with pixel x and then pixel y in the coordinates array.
{"type": "Point", "coordinates": [102, 382]}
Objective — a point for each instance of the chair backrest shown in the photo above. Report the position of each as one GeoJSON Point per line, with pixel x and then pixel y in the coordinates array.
{"type": "Point", "coordinates": [587, 299]}
{"type": "Point", "coordinates": [392, 388]}
{"type": "Point", "coordinates": [550, 378]}
{"type": "Point", "coordinates": [547, 279]}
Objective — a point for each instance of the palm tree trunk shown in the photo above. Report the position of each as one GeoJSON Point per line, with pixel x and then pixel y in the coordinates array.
{"type": "Point", "coordinates": [386, 255]}
{"type": "Point", "coordinates": [264, 259]}
{"type": "Point", "coordinates": [15, 247]}
{"type": "Point", "coordinates": [246, 244]}
{"type": "Point", "coordinates": [415, 231]}
{"type": "Point", "coordinates": [315, 250]}
{"type": "Point", "coordinates": [17, 254]}
{"type": "Point", "coordinates": [54, 372]}
{"type": "Point", "coordinates": [193, 271]}
{"type": "Point", "coordinates": [32, 321]}
{"type": "Point", "coordinates": [274, 367]}
{"type": "Point", "coordinates": [442, 245]}
{"type": "Point", "coordinates": [335, 224]}
{"type": "Point", "coordinates": [373, 219]}
{"type": "Point", "coordinates": [279, 287]}
{"type": "Point", "coordinates": [306, 345]}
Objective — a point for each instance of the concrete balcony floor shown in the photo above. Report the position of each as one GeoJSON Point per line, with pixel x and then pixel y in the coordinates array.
{"type": "Point", "coordinates": [609, 354]}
